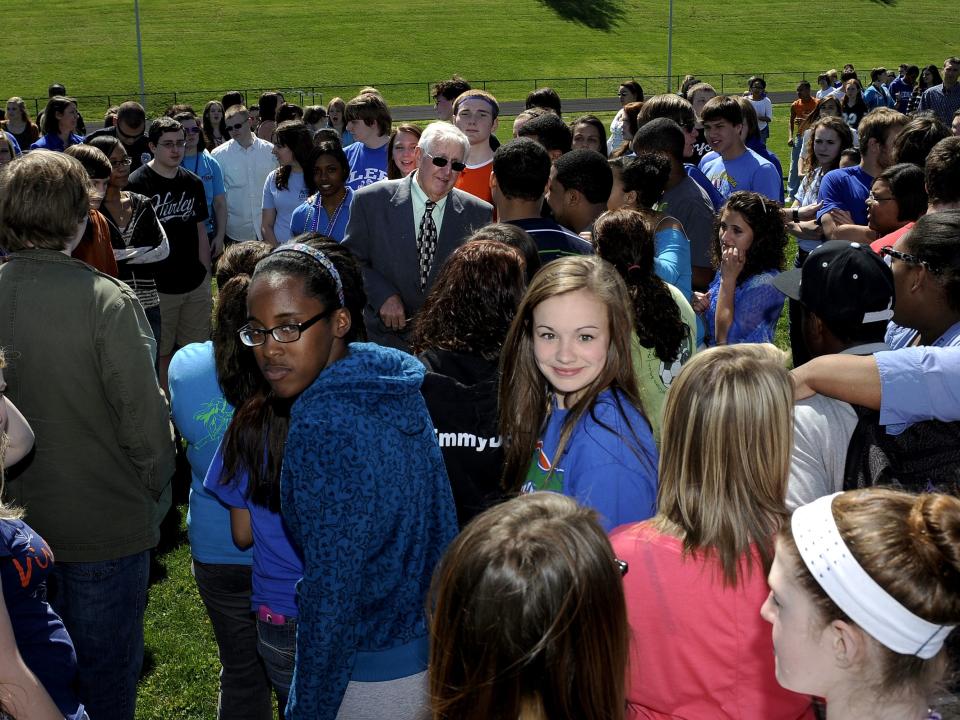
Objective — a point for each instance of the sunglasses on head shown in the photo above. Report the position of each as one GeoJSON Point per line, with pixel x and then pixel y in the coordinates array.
{"type": "Point", "coordinates": [440, 162]}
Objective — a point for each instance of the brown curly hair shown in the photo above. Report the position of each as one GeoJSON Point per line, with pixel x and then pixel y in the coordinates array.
{"type": "Point", "coordinates": [768, 250]}
{"type": "Point", "coordinates": [473, 301]}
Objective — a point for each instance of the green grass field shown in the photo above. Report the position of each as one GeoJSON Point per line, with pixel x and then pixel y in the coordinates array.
{"type": "Point", "coordinates": [90, 45]}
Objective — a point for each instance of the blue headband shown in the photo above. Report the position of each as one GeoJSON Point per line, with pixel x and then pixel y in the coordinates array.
{"type": "Point", "coordinates": [320, 258]}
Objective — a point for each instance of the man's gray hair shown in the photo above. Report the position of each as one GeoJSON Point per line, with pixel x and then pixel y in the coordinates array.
{"type": "Point", "coordinates": [439, 132]}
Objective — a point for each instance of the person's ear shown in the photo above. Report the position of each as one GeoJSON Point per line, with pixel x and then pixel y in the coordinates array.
{"type": "Point", "coordinates": [342, 322]}
{"type": "Point", "coordinates": [631, 198]}
{"type": "Point", "coordinates": [493, 180]}
{"type": "Point", "coordinates": [496, 124]}
{"type": "Point", "coordinates": [848, 644]}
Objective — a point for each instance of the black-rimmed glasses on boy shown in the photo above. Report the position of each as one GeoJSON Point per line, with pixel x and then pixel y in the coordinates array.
{"type": "Point", "coordinates": [286, 333]}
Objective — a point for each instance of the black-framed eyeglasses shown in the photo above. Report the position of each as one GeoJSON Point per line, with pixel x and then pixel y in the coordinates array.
{"type": "Point", "coordinates": [286, 333]}
{"type": "Point", "coordinates": [440, 162]}
{"type": "Point", "coordinates": [889, 254]}
{"type": "Point", "coordinates": [874, 198]}
{"type": "Point", "coordinates": [117, 164]}
{"type": "Point", "coordinates": [622, 566]}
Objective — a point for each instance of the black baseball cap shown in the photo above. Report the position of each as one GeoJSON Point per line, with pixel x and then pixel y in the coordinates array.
{"type": "Point", "coordinates": [845, 284]}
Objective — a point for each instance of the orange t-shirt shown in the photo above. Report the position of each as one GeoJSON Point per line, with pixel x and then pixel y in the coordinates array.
{"type": "Point", "coordinates": [800, 109]}
{"type": "Point", "coordinates": [476, 180]}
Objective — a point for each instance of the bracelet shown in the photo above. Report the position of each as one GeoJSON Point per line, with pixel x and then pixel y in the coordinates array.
{"type": "Point", "coordinates": [796, 215]}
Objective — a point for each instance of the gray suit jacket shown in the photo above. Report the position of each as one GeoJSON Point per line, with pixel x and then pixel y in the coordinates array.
{"type": "Point", "coordinates": [380, 233]}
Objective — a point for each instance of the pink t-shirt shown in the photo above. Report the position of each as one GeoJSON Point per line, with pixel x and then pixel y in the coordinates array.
{"type": "Point", "coordinates": [698, 649]}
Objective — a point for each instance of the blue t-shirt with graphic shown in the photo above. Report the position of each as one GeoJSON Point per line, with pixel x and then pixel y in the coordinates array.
{"type": "Point", "coordinates": [610, 463]}
{"type": "Point", "coordinates": [202, 415]}
{"type": "Point", "coordinates": [367, 165]}
{"type": "Point", "coordinates": [749, 171]}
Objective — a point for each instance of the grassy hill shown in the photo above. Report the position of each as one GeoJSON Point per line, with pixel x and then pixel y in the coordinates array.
{"type": "Point", "coordinates": [90, 45]}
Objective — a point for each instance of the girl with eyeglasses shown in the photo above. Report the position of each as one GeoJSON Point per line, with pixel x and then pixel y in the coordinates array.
{"type": "Point", "coordinates": [926, 277]}
{"type": "Point", "coordinates": [528, 617]}
{"type": "Point", "coordinates": [139, 241]}
{"type": "Point", "coordinates": [864, 597]}
{"type": "Point", "coordinates": [364, 493]}
{"type": "Point", "coordinates": [251, 491]}
{"type": "Point", "coordinates": [698, 647]}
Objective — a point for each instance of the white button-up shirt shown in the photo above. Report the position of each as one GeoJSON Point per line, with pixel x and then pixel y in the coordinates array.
{"type": "Point", "coordinates": [244, 172]}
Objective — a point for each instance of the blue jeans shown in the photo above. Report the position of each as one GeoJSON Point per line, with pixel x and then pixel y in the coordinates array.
{"type": "Point", "coordinates": [794, 179]}
{"type": "Point", "coordinates": [244, 686]}
{"type": "Point", "coordinates": [278, 648]}
{"type": "Point", "coordinates": [102, 605]}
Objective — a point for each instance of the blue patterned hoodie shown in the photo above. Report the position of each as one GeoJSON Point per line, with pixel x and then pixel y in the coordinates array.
{"type": "Point", "coordinates": [366, 496]}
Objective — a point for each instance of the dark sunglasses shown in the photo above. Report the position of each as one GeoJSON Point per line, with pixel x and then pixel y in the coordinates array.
{"type": "Point", "coordinates": [236, 126]}
{"type": "Point", "coordinates": [455, 165]}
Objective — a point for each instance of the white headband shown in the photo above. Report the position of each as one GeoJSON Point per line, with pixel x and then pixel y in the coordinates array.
{"type": "Point", "coordinates": [856, 593]}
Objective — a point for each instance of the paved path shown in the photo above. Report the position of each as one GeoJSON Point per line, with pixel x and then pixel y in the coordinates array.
{"type": "Point", "coordinates": [571, 106]}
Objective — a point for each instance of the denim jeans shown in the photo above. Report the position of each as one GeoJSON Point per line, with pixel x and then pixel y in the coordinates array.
{"type": "Point", "coordinates": [102, 605]}
{"type": "Point", "coordinates": [278, 648]}
{"type": "Point", "coordinates": [244, 686]}
{"type": "Point", "coordinates": [794, 179]}
{"type": "Point", "coordinates": [798, 344]}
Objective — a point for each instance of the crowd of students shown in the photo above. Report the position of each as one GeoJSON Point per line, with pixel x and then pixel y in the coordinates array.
{"type": "Point", "coordinates": [488, 430]}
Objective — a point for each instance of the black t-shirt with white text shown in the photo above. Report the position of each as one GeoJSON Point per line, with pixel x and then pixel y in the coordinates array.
{"type": "Point", "coordinates": [180, 204]}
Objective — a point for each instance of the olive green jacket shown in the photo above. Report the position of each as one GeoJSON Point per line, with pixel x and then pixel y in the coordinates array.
{"type": "Point", "coordinates": [80, 368]}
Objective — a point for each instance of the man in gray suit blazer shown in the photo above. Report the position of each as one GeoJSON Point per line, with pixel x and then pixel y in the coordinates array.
{"type": "Point", "coordinates": [402, 231]}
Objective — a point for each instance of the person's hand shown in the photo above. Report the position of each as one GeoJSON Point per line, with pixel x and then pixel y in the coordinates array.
{"type": "Point", "coordinates": [392, 313]}
{"type": "Point", "coordinates": [841, 217]}
{"type": "Point", "coordinates": [809, 212]}
{"type": "Point", "coordinates": [731, 263]}
{"type": "Point", "coordinates": [701, 302]}
{"type": "Point", "coordinates": [216, 247]}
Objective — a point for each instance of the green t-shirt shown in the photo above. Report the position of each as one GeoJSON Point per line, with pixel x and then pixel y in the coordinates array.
{"type": "Point", "coordinates": [653, 375]}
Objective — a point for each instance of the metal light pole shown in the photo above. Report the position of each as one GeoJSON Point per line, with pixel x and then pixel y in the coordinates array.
{"type": "Point", "coordinates": [136, 12]}
{"type": "Point", "coordinates": [669, 48]}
